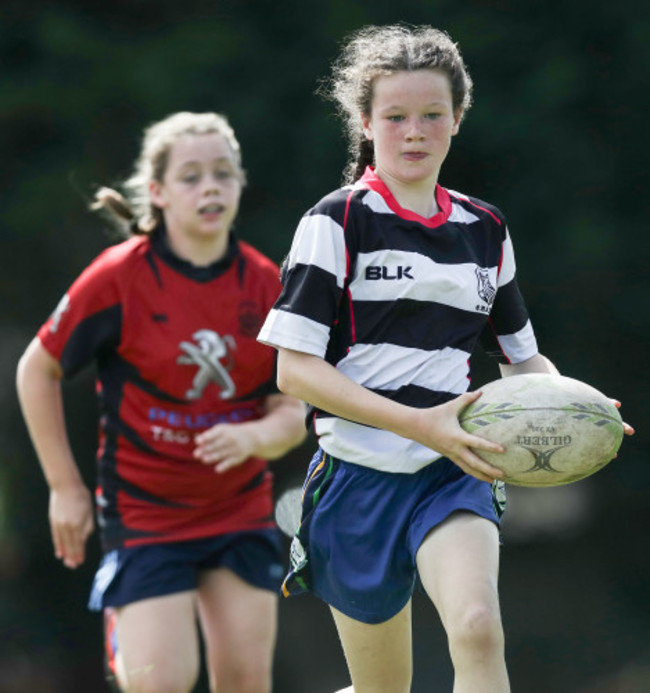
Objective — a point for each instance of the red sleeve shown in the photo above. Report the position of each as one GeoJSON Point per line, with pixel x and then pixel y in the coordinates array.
{"type": "Point", "coordinates": [87, 319]}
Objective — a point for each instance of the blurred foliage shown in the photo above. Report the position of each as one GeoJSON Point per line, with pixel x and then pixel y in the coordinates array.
{"type": "Point", "coordinates": [556, 138]}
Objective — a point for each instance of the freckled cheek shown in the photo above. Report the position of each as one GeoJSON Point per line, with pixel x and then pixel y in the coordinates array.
{"type": "Point", "coordinates": [388, 140]}
{"type": "Point", "coordinates": [235, 197]}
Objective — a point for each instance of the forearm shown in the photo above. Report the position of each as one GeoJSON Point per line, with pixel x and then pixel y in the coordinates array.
{"type": "Point", "coordinates": [39, 393]}
{"type": "Point", "coordinates": [280, 429]}
{"type": "Point", "coordinates": [70, 510]}
{"type": "Point", "coordinates": [313, 380]}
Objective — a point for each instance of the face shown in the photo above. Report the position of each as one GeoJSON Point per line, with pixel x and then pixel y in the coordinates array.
{"type": "Point", "coordinates": [411, 124]}
{"type": "Point", "coordinates": [199, 194]}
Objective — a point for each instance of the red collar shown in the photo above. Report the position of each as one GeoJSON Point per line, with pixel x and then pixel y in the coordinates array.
{"type": "Point", "coordinates": [371, 181]}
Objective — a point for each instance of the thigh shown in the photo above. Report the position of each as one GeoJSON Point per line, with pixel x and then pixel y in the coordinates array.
{"type": "Point", "coordinates": [351, 549]}
{"type": "Point", "coordinates": [239, 623]}
{"type": "Point", "coordinates": [379, 655]}
{"type": "Point", "coordinates": [458, 562]}
{"type": "Point", "coordinates": [158, 643]}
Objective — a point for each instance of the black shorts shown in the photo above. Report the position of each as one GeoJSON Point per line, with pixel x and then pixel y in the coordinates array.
{"type": "Point", "coordinates": [140, 572]}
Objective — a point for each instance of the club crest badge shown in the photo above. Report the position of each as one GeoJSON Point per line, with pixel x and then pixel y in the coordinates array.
{"type": "Point", "coordinates": [250, 319]}
{"type": "Point", "coordinates": [485, 289]}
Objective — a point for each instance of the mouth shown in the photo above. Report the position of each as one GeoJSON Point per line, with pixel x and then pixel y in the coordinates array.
{"type": "Point", "coordinates": [211, 210]}
{"type": "Point", "coordinates": [415, 156]}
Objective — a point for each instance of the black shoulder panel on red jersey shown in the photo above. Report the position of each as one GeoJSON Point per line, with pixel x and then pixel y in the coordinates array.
{"type": "Point", "coordinates": [94, 334]}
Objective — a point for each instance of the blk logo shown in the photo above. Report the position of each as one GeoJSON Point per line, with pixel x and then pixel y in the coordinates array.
{"type": "Point", "coordinates": [376, 272]}
{"type": "Point", "coordinates": [212, 354]}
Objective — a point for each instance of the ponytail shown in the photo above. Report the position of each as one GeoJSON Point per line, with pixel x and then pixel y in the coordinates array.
{"type": "Point", "coordinates": [365, 157]}
{"type": "Point", "coordinates": [121, 211]}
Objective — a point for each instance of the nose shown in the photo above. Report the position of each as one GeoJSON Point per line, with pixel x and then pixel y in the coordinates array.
{"type": "Point", "coordinates": [211, 184]}
{"type": "Point", "coordinates": [414, 130]}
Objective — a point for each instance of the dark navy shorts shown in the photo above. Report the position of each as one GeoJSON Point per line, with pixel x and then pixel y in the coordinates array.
{"type": "Point", "coordinates": [361, 529]}
{"type": "Point", "coordinates": [140, 572]}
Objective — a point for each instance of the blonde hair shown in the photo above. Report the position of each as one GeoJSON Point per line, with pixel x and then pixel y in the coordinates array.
{"type": "Point", "coordinates": [132, 209]}
{"type": "Point", "coordinates": [376, 51]}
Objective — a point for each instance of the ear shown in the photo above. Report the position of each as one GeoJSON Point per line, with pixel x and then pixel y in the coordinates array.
{"type": "Point", "coordinates": [157, 194]}
{"type": "Point", "coordinates": [458, 116]}
{"type": "Point", "coordinates": [367, 127]}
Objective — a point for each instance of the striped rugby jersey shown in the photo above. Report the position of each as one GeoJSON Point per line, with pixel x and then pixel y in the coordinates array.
{"type": "Point", "coordinates": [398, 303]}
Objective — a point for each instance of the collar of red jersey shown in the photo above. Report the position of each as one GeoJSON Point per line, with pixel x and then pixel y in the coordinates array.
{"type": "Point", "coordinates": [162, 249]}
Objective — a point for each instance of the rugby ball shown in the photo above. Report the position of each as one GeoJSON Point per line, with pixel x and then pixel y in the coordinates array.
{"type": "Point", "coordinates": [555, 430]}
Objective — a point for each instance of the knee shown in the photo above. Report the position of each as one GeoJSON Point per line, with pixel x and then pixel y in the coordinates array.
{"type": "Point", "coordinates": [478, 631]}
{"type": "Point", "coordinates": [161, 679]}
{"type": "Point", "coordinates": [243, 676]}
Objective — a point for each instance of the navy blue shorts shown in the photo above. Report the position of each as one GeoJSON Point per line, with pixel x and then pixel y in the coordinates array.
{"type": "Point", "coordinates": [154, 570]}
{"type": "Point", "coordinates": [361, 529]}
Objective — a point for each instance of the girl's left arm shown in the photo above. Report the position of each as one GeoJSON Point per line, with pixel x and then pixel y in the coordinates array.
{"type": "Point", "coordinates": [278, 431]}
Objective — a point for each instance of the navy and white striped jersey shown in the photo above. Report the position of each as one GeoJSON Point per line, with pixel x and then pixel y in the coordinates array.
{"type": "Point", "coordinates": [398, 303]}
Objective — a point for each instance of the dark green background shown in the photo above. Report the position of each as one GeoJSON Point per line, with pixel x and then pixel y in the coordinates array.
{"type": "Point", "coordinates": [557, 139]}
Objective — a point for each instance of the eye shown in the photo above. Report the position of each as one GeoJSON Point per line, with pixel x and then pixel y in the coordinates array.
{"type": "Point", "coordinates": [432, 116]}
{"type": "Point", "coordinates": [224, 174]}
{"type": "Point", "coordinates": [395, 118]}
{"type": "Point", "coordinates": [190, 178]}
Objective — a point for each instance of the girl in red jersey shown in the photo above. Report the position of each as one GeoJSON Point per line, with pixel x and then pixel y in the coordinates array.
{"type": "Point", "coordinates": [189, 415]}
{"type": "Point", "coordinates": [390, 283]}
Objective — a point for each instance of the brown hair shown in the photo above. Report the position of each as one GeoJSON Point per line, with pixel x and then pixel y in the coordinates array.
{"type": "Point", "coordinates": [375, 51]}
{"type": "Point", "coordinates": [132, 209]}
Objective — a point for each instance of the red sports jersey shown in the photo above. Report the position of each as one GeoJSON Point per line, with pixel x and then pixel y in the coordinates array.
{"type": "Point", "coordinates": [176, 351]}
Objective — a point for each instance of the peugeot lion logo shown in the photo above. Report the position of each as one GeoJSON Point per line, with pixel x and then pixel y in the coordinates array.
{"type": "Point", "coordinates": [207, 353]}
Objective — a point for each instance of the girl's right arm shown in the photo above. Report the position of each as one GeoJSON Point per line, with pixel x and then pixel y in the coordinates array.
{"type": "Point", "coordinates": [71, 507]}
{"type": "Point", "coordinates": [313, 380]}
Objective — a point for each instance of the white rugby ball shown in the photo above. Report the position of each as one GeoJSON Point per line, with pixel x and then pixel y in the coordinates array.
{"type": "Point", "coordinates": [555, 429]}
